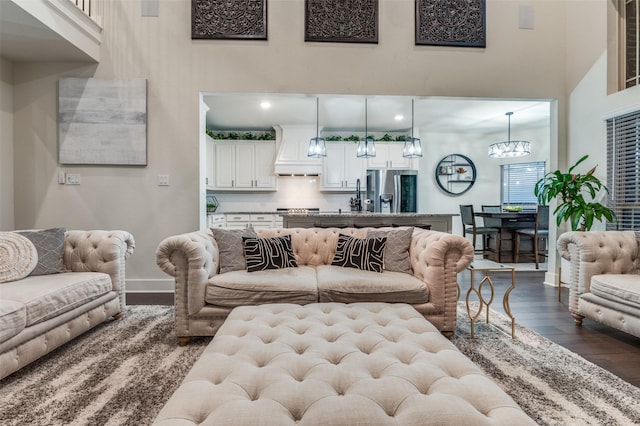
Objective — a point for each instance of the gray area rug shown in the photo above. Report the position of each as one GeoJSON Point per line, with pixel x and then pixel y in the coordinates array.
{"type": "Point", "coordinates": [122, 373]}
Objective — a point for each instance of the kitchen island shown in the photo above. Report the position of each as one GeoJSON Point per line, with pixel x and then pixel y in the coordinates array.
{"type": "Point", "coordinates": [436, 222]}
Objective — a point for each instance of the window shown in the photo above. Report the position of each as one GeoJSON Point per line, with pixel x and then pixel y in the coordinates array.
{"type": "Point", "coordinates": [630, 42]}
{"type": "Point", "coordinates": [518, 181]}
{"type": "Point", "coordinates": [623, 170]}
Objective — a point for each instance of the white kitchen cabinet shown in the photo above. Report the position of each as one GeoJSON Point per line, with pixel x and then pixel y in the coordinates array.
{"type": "Point", "coordinates": [224, 165]}
{"type": "Point", "coordinates": [216, 220]}
{"type": "Point", "coordinates": [210, 159]}
{"type": "Point", "coordinates": [389, 156]}
{"type": "Point", "coordinates": [254, 220]}
{"type": "Point", "coordinates": [237, 220]}
{"type": "Point", "coordinates": [244, 166]}
{"type": "Point", "coordinates": [262, 220]}
{"type": "Point", "coordinates": [341, 168]}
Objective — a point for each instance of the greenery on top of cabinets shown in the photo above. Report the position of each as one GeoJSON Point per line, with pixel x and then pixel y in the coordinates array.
{"type": "Point", "coordinates": [239, 135]}
{"type": "Point", "coordinates": [355, 138]}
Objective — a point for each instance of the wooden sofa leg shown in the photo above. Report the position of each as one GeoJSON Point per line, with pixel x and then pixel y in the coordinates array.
{"type": "Point", "coordinates": [184, 341]}
{"type": "Point", "coordinates": [118, 316]}
{"type": "Point", "coordinates": [448, 334]}
{"type": "Point", "coordinates": [577, 318]}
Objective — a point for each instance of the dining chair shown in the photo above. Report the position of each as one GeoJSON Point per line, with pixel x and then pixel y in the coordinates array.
{"type": "Point", "coordinates": [469, 226]}
{"type": "Point", "coordinates": [540, 233]}
{"type": "Point", "coordinates": [492, 222]}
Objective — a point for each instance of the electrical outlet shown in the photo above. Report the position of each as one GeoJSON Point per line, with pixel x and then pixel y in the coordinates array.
{"type": "Point", "coordinates": [73, 179]}
{"type": "Point", "coordinates": [163, 180]}
{"type": "Point", "coordinates": [62, 178]}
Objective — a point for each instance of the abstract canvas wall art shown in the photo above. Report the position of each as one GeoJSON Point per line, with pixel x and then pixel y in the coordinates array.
{"type": "Point", "coordinates": [102, 121]}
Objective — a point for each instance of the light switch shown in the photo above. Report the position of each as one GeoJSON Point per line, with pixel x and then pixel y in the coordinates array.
{"type": "Point", "coordinates": [525, 17]}
{"type": "Point", "coordinates": [62, 178]}
{"type": "Point", "coordinates": [73, 179]}
{"type": "Point", "coordinates": [163, 180]}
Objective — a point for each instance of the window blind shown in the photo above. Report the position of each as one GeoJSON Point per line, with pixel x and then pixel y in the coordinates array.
{"type": "Point", "coordinates": [518, 182]}
{"type": "Point", "coordinates": [623, 170]}
{"type": "Point", "coordinates": [630, 18]}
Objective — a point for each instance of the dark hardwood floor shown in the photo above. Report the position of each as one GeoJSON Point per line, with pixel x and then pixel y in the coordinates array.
{"type": "Point", "coordinates": [536, 307]}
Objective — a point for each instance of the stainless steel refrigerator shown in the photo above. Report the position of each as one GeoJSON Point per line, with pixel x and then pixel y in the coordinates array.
{"type": "Point", "coordinates": [392, 191]}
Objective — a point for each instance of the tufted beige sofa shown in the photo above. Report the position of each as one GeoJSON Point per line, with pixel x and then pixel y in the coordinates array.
{"type": "Point", "coordinates": [192, 258]}
{"type": "Point", "coordinates": [336, 364]}
{"type": "Point", "coordinates": [604, 277]}
{"type": "Point", "coordinates": [40, 313]}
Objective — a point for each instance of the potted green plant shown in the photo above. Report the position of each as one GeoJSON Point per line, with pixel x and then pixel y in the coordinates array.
{"type": "Point", "coordinates": [212, 204]}
{"type": "Point", "coordinates": [570, 189]}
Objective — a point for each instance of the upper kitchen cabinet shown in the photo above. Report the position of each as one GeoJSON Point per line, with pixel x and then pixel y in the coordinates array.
{"type": "Point", "coordinates": [210, 155]}
{"type": "Point", "coordinates": [389, 156]}
{"type": "Point", "coordinates": [341, 168]}
{"type": "Point", "coordinates": [244, 166]}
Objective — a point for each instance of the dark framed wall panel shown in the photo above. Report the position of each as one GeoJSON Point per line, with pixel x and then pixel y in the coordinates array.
{"type": "Point", "coordinates": [237, 19]}
{"type": "Point", "coordinates": [352, 21]}
{"type": "Point", "coordinates": [451, 22]}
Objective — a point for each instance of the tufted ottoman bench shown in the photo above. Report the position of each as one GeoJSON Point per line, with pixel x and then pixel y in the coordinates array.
{"type": "Point", "coordinates": [335, 364]}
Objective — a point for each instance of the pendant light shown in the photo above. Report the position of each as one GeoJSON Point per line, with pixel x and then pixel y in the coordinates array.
{"type": "Point", "coordinates": [509, 148]}
{"type": "Point", "coordinates": [366, 147]}
{"type": "Point", "coordinates": [412, 146]}
{"type": "Point", "coordinates": [317, 145]}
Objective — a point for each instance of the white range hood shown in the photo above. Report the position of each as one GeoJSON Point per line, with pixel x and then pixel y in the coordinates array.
{"type": "Point", "coordinates": [292, 144]}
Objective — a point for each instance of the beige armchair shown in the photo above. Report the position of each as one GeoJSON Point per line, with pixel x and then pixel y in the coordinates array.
{"type": "Point", "coordinates": [604, 277]}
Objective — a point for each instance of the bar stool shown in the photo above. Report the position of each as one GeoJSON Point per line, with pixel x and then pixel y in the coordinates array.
{"type": "Point", "coordinates": [538, 234]}
{"type": "Point", "coordinates": [469, 226]}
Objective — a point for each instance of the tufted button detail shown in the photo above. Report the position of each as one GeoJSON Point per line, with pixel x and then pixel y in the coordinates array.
{"type": "Point", "coordinates": [307, 373]}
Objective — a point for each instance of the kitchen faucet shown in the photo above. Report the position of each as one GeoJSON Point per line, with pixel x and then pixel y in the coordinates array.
{"type": "Point", "coordinates": [358, 196]}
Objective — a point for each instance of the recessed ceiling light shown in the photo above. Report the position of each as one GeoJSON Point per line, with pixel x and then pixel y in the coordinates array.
{"type": "Point", "coordinates": [265, 104]}
{"type": "Point", "coordinates": [399, 117]}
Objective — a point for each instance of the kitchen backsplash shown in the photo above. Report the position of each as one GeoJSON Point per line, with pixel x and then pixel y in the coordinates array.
{"type": "Point", "coordinates": [293, 192]}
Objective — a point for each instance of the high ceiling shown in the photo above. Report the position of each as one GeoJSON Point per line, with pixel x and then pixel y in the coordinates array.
{"type": "Point", "coordinates": [233, 111]}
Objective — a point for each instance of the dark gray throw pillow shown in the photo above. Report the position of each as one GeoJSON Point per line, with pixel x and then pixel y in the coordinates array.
{"type": "Point", "coordinates": [230, 247]}
{"type": "Point", "coordinates": [361, 253]}
{"type": "Point", "coordinates": [49, 244]}
{"type": "Point", "coordinates": [269, 253]}
{"type": "Point", "coordinates": [396, 252]}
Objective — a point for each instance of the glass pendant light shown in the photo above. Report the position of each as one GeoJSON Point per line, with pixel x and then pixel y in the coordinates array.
{"type": "Point", "coordinates": [366, 146]}
{"type": "Point", "coordinates": [317, 145]}
{"type": "Point", "coordinates": [509, 148]}
{"type": "Point", "coordinates": [412, 146]}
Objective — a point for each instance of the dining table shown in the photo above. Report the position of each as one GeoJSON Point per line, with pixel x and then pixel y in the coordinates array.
{"type": "Point", "coordinates": [508, 222]}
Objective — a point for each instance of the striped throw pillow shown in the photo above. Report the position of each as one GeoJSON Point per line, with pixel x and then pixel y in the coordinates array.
{"type": "Point", "coordinates": [361, 253]}
{"type": "Point", "coordinates": [268, 253]}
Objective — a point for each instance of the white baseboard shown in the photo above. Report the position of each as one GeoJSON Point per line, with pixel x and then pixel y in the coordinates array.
{"type": "Point", "coordinates": [149, 285]}
{"type": "Point", "coordinates": [551, 279]}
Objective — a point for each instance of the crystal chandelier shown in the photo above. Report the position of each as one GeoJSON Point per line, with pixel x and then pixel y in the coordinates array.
{"type": "Point", "coordinates": [509, 148]}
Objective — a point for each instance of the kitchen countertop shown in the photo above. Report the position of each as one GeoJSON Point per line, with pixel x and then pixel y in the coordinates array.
{"type": "Point", "coordinates": [335, 213]}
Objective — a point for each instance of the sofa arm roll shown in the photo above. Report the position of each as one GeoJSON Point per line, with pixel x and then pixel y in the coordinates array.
{"type": "Point", "coordinates": [192, 259]}
{"type": "Point", "coordinates": [597, 252]}
{"type": "Point", "coordinates": [436, 259]}
{"type": "Point", "coordinates": [100, 251]}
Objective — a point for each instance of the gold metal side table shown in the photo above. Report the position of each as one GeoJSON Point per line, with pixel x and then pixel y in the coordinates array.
{"type": "Point", "coordinates": [487, 266]}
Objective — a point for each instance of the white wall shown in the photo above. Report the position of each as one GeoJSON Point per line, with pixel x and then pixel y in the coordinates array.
{"type": "Point", "coordinates": [486, 190]}
{"type": "Point", "coordinates": [516, 64]}
{"type": "Point", "coordinates": [6, 145]}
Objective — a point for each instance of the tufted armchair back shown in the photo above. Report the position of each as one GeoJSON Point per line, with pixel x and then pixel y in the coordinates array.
{"type": "Point", "coordinates": [598, 252]}
{"type": "Point", "coordinates": [99, 251]}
